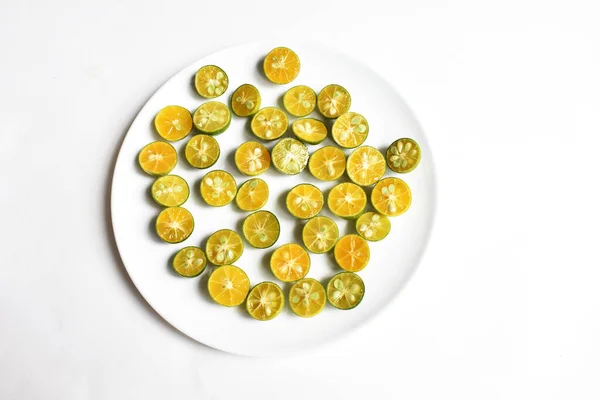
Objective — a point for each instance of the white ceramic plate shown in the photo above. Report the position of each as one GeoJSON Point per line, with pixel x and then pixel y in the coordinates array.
{"type": "Point", "coordinates": [185, 302]}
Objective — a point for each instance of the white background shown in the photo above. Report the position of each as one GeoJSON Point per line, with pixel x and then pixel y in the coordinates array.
{"type": "Point", "coordinates": [506, 301]}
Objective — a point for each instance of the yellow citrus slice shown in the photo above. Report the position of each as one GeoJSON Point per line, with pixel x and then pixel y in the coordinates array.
{"type": "Point", "coordinates": [202, 151]}
{"type": "Point", "coordinates": [218, 188]}
{"type": "Point", "coordinates": [347, 200]}
{"type": "Point", "coordinates": [350, 130]}
{"type": "Point", "coordinates": [304, 201]}
{"type": "Point", "coordinates": [333, 101]}
{"type": "Point", "coordinates": [261, 229]}
{"type": "Point", "coordinates": [391, 197]}
{"type": "Point", "coordinates": [307, 298]}
{"type": "Point", "coordinates": [174, 224]}
{"type": "Point", "coordinates": [211, 81]}
{"type": "Point", "coordinates": [365, 166]}
{"type": "Point", "coordinates": [320, 234]}
{"type": "Point", "coordinates": [290, 262]}
{"type": "Point", "coordinates": [252, 195]}
{"type": "Point", "coordinates": [170, 191]}
{"type": "Point", "coordinates": [173, 123]}
{"type": "Point", "coordinates": [189, 262]}
{"type": "Point", "coordinates": [245, 101]}
{"type": "Point", "coordinates": [270, 123]}
{"type": "Point", "coordinates": [265, 301]}
{"type": "Point", "coordinates": [373, 226]}
{"type": "Point", "coordinates": [289, 156]}
{"type": "Point", "coordinates": [300, 100]}
{"type": "Point", "coordinates": [345, 290]}
{"type": "Point", "coordinates": [352, 253]}
{"type": "Point", "coordinates": [158, 158]}
{"type": "Point", "coordinates": [403, 155]}
{"type": "Point", "coordinates": [327, 164]}
{"type": "Point", "coordinates": [252, 158]}
{"type": "Point", "coordinates": [228, 285]}
{"type": "Point", "coordinates": [212, 117]}
{"type": "Point", "coordinates": [309, 130]}
{"type": "Point", "coordinates": [281, 65]}
{"type": "Point", "coordinates": [224, 247]}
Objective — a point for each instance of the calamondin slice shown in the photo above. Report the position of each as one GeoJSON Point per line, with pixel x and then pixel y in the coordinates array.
{"type": "Point", "coordinates": [170, 191]}
{"type": "Point", "coordinates": [327, 164]}
{"type": "Point", "coordinates": [403, 155]}
{"type": "Point", "coordinates": [189, 261]}
{"type": "Point", "coordinates": [270, 123]}
{"type": "Point", "coordinates": [307, 298]}
{"type": "Point", "coordinates": [252, 158]}
{"type": "Point", "coordinates": [202, 151]}
{"type": "Point", "coordinates": [174, 224]}
{"type": "Point", "coordinates": [252, 195]}
{"type": "Point", "coordinates": [350, 130]}
{"type": "Point", "coordinates": [224, 247]}
{"type": "Point", "coordinates": [228, 285]}
{"type": "Point", "coordinates": [365, 166]}
{"type": "Point", "coordinates": [300, 100]}
{"type": "Point", "coordinates": [218, 188]}
{"type": "Point", "coordinates": [391, 197]}
{"type": "Point", "coordinates": [373, 226]}
{"type": "Point", "coordinates": [212, 117]}
{"type": "Point", "coordinates": [304, 201]}
{"type": "Point", "coordinates": [173, 123]}
{"type": "Point", "coordinates": [309, 130]}
{"type": "Point", "coordinates": [347, 200]}
{"type": "Point", "coordinates": [333, 101]}
{"type": "Point", "coordinates": [345, 290]}
{"type": "Point", "coordinates": [290, 262]}
{"type": "Point", "coordinates": [261, 229]}
{"type": "Point", "coordinates": [352, 253]}
{"type": "Point", "coordinates": [320, 234]}
{"type": "Point", "coordinates": [211, 81]}
{"type": "Point", "coordinates": [245, 101]}
{"type": "Point", "coordinates": [265, 301]}
{"type": "Point", "coordinates": [158, 158]}
{"type": "Point", "coordinates": [281, 65]}
{"type": "Point", "coordinates": [289, 156]}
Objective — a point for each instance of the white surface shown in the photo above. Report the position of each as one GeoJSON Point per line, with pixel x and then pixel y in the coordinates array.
{"type": "Point", "coordinates": [185, 302]}
{"type": "Point", "coordinates": [505, 302]}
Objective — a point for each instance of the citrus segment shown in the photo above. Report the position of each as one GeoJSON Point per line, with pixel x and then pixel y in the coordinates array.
{"type": "Point", "coordinates": [224, 247]}
{"type": "Point", "coordinates": [170, 191]}
{"type": "Point", "coordinates": [218, 188]}
{"type": "Point", "coordinates": [309, 130]}
{"type": "Point", "coordinates": [245, 101]}
{"type": "Point", "coordinates": [391, 197]}
{"type": "Point", "coordinates": [352, 253]}
{"type": "Point", "coordinates": [403, 155]}
{"type": "Point", "coordinates": [158, 158]}
{"type": "Point", "coordinates": [347, 200]}
{"type": "Point", "coordinates": [252, 158]}
{"type": "Point", "coordinates": [202, 151]}
{"type": "Point", "coordinates": [307, 298]}
{"type": "Point", "coordinates": [289, 156]}
{"type": "Point", "coordinates": [304, 201]}
{"type": "Point", "coordinates": [333, 101]}
{"type": "Point", "coordinates": [365, 166]}
{"type": "Point", "coordinates": [290, 262]}
{"type": "Point", "coordinates": [270, 123]}
{"type": "Point", "coordinates": [373, 226]}
{"type": "Point", "coordinates": [350, 130]}
{"type": "Point", "coordinates": [320, 234]}
{"type": "Point", "coordinates": [189, 262]}
{"type": "Point", "coordinates": [228, 285]}
{"type": "Point", "coordinates": [281, 65]}
{"type": "Point", "coordinates": [265, 301]}
{"type": "Point", "coordinates": [300, 100]}
{"type": "Point", "coordinates": [173, 123]}
{"type": "Point", "coordinates": [252, 195]}
{"type": "Point", "coordinates": [211, 81]}
{"type": "Point", "coordinates": [261, 229]}
{"type": "Point", "coordinates": [174, 224]}
{"type": "Point", "coordinates": [345, 290]}
{"type": "Point", "coordinates": [212, 117]}
{"type": "Point", "coordinates": [327, 164]}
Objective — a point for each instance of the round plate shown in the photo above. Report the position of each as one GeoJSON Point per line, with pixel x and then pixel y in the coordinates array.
{"type": "Point", "coordinates": [184, 302]}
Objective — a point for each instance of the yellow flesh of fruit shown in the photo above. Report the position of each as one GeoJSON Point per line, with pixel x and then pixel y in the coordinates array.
{"type": "Point", "coordinates": [261, 229]}
{"type": "Point", "coordinates": [307, 298]}
{"type": "Point", "coordinates": [391, 197]}
{"type": "Point", "coordinates": [252, 158]}
{"type": "Point", "coordinates": [224, 247]}
{"type": "Point", "coordinates": [345, 290]}
{"type": "Point", "coordinates": [327, 164]}
{"type": "Point", "coordinates": [158, 158]}
{"type": "Point", "coordinates": [290, 262]}
{"type": "Point", "coordinates": [252, 195]}
{"type": "Point", "coordinates": [347, 200]}
{"type": "Point", "coordinates": [304, 201]}
{"type": "Point", "coordinates": [228, 285]}
{"type": "Point", "coordinates": [300, 100]}
{"type": "Point", "coordinates": [211, 81]}
{"type": "Point", "coordinates": [352, 253]}
{"type": "Point", "coordinates": [173, 123]}
{"type": "Point", "coordinates": [365, 166]}
{"type": "Point", "coordinates": [174, 224]}
{"type": "Point", "coordinates": [218, 188]}
{"type": "Point", "coordinates": [202, 151]}
{"type": "Point", "coordinates": [265, 301]}
{"type": "Point", "coordinates": [281, 65]}
{"type": "Point", "coordinates": [320, 234]}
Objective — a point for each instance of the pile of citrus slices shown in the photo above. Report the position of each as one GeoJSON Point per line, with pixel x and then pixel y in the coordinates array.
{"type": "Point", "coordinates": [365, 166]}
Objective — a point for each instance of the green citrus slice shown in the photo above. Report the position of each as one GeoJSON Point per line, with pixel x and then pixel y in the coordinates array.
{"type": "Point", "coordinates": [304, 201]}
{"type": "Point", "coordinates": [327, 164]}
{"type": "Point", "coordinates": [270, 123]}
{"type": "Point", "coordinates": [189, 262]}
{"type": "Point", "coordinates": [245, 101]}
{"type": "Point", "coordinates": [320, 234]}
{"type": "Point", "coordinates": [252, 195]}
{"type": "Point", "coordinates": [212, 117]}
{"type": "Point", "coordinates": [345, 290]}
{"type": "Point", "coordinates": [170, 191]}
{"type": "Point", "coordinates": [300, 100]}
{"type": "Point", "coordinates": [173, 123]}
{"type": "Point", "coordinates": [281, 65]}
{"type": "Point", "coordinates": [252, 158]}
{"type": "Point", "coordinates": [373, 226]}
{"type": "Point", "coordinates": [307, 298]}
{"type": "Point", "coordinates": [403, 155]}
{"type": "Point", "coordinates": [202, 151]}
{"type": "Point", "coordinates": [365, 166]}
{"type": "Point", "coordinates": [265, 301]}
{"type": "Point", "coordinates": [333, 101]}
{"type": "Point", "coordinates": [261, 229]}
{"type": "Point", "coordinates": [174, 224]}
{"type": "Point", "coordinates": [224, 247]}
{"type": "Point", "coordinates": [347, 200]}
{"type": "Point", "coordinates": [309, 130]}
{"type": "Point", "coordinates": [290, 262]}
{"type": "Point", "coordinates": [211, 81]}
{"type": "Point", "coordinates": [391, 197]}
{"type": "Point", "coordinates": [228, 285]}
{"type": "Point", "coordinates": [218, 188]}
{"type": "Point", "coordinates": [350, 130]}
{"type": "Point", "coordinates": [352, 253]}
{"type": "Point", "coordinates": [289, 156]}
{"type": "Point", "coordinates": [158, 158]}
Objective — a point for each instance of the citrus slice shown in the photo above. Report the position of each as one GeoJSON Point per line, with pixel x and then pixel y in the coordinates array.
{"type": "Point", "coordinates": [347, 200]}
{"type": "Point", "coordinates": [189, 262]}
{"type": "Point", "coordinates": [300, 100]}
{"type": "Point", "coordinates": [304, 201]}
{"type": "Point", "coordinates": [224, 247]}
{"type": "Point", "coordinates": [307, 298]}
{"type": "Point", "coordinates": [350, 130]}
{"type": "Point", "coordinates": [391, 197]}
{"type": "Point", "coordinates": [261, 229]}
{"type": "Point", "coordinates": [228, 285]}
{"type": "Point", "coordinates": [218, 188]}
{"type": "Point", "coordinates": [327, 164]}
{"type": "Point", "coordinates": [373, 226]}
{"type": "Point", "coordinates": [290, 262]}
{"type": "Point", "coordinates": [252, 195]}
{"type": "Point", "coordinates": [309, 130]}
{"type": "Point", "coordinates": [245, 101]}
{"type": "Point", "coordinates": [403, 155]}
{"type": "Point", "coordinates": [289, 156]}
{"type": "Point", "coordinates": [281, 65]}
{"type": "Point", "coordinates": [202, 151]}
{"type": "Point", "coordinates": [212, 117]}
{"type": "Point", "coordinates": [170, 191]}
{"type": "Point", "coordinates": [174, 224]}
{"type": "Point", "coordinates": [252, 158]}
{"type": "Point", "coordinates": [320, 234]}
{"type": "Point", "coordinates": [352, 253]}
{"type": "Point", "coordinates": [265, 301]}
{"type": "Point", "coordinates": [173, 123]}
{"type": "Point", "coordinates": [270, 123]}
{"type": "Point", "coordinates": [365, 166]}
{"type": "Point", "coordinates": [158, 158]}
{"type": "Point", "coordinates": [345, 290]}
{"type": "Point", "coordinates": [333, 101]}
{"type": "Point", "coordinates": [211, 81]}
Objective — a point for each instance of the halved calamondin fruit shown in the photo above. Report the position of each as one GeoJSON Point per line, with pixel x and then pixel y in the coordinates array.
{"type": "Point", "coordinates": [174, 224]}
{"type": "Point", "coordinates": [403, 155]}
{"type": "Point", "coordinates": [352, 253]}
{"type": "Point", "coordinates": [218, 188]}
{"type": "Point", "coordinates": [333, 101]}
{"type": "Point", "coordinates": [350, 130]}
{"type": "Point", "coordinates": [173, 123]}
{"type": "Point", "coordinates": [212, 117]}
{"type": "Point", "coordinates": [261, 229]}
{"type": "Point", "coordinates": [202, 151]}
{"type": "Point", "coordinates": [365, 166]}
{"type": "Point", "coordinates": [281, 65]}
{"type": "Point", "coordinates": [309, 130]}
{"type": "Point", "coordinates": [304, 201]}
{"type": "Point", "coordinates": [347, 200]}
{"type": "Point", "coordinates": [265, 301]}
{"type": "Point", "coordinates": [300, 100]}
{"type": "Point", "coordinates": [224, 247]}
{"type": "Point", "coordinates": [189, 261]}
{"type": "Point", "coordinates": [320, 234]}
{"type": "Point", "coordinates": [252, 158]}
{"type": "Point", "coordinates": [245, 101]}
{"type": "Point", "coordinates": [290, 262]}
{"type": "Point", "coordinates": [391, 197]}
{"type": "Point", "coordinates": [327, 164]}
{"type": "Point", "coordinates": [211, 81]}
{"type": "Point", "coordinates": [289, 156]}
{"type": "Point", "coordinates": [170, 191]}
{"type": "Point", "coordinates": [373, 226]}
{"type": "Point", "coordinates": [307, 298]}
{"type": "Point", "coordinates": [345, 290]}
{"type": "Point", "coordinates": [158, 158]}
{"type": "Point", "coordinates": [270, 123]}
{"type": "Point", "coordinates": [252, 195]}
{"type": "Point", "coordinates": [228, 285]}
